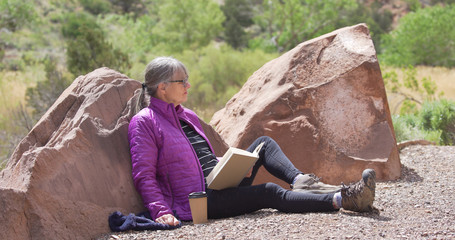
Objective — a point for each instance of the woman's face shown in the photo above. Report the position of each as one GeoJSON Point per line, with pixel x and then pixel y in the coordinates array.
{"type": "Point", "coordinates": [176, 92]}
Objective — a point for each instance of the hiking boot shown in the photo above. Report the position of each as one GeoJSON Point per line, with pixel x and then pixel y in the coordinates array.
{"type": "Point", "coordinates": [311, 184]}
{"type": "Point", "coordinates": [359, 196]}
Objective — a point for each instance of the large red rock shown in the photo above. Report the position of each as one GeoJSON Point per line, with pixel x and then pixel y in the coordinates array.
{"type": "Point", "coordinates": [325, 103]}
{"type": "Point", "coordinates": [74, 169]}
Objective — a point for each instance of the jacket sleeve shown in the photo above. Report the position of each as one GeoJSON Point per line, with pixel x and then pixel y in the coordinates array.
{"type": "Point", "coordinates": [144, 157]}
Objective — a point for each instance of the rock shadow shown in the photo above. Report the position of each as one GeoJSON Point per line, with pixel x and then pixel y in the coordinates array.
{"type": "Point", "coordinates": [409, 175]}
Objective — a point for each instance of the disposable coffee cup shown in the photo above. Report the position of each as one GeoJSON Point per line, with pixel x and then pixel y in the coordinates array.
{"type": "Point", "coordinates": [198, 205]}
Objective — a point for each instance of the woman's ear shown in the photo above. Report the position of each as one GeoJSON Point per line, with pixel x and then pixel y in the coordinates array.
{"type": "Point", "coordinates": [160, 90]}
{"type": "Point", "coordinates": [161, 86]}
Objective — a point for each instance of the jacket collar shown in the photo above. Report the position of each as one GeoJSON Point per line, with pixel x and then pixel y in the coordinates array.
{"type": "Point", "coordinates": [164, 108]}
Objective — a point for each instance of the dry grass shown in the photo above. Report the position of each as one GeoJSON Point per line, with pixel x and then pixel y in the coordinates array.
{"type": "Point", "coordinates": [443, 77]}
{"type": "Point", "coordinates": [13, 85]}
{"type": "Point", "coordinates": [12, 91]}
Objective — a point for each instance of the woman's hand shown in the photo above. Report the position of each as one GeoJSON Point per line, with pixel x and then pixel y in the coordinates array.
{"type": "Point", "coordinates": [250, 172]}
{"type": "Point", "coordinates": [168, 219]}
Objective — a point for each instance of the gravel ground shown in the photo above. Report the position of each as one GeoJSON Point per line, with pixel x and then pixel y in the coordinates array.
{"type": "Point", "coordinates": [420, 205]}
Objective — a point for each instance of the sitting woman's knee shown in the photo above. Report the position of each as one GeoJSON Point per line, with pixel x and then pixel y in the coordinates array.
{"type": "Point", "coordinates": [275, 191]}
{"type": "Point", "coordinates": [273, 187]}
{"type": "Point", "coordinates": [265, 139]}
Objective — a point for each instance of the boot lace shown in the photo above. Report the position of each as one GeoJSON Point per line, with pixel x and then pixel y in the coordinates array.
{"type": "Point", "coordinates": [314, 177]}
{"type": "Point", "coordinates": [352, 191]}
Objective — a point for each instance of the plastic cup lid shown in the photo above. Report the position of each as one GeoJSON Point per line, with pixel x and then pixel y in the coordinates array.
{"type": "Point", "coordinates": [197, 194]}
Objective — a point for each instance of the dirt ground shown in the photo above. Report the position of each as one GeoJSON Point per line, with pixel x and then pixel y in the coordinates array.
{"type": "Point", "coordinates": [420, 205]}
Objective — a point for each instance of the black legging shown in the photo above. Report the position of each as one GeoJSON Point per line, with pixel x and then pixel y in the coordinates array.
{"type": "Point", "coordinates": [247, 198]}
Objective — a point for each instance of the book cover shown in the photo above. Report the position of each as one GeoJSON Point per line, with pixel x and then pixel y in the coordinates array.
{"type": "Point", "coordinates": [232, 168]}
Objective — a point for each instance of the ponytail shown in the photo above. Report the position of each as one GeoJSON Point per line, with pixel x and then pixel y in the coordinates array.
{"type": "Point", "coordinates": [140, 100]}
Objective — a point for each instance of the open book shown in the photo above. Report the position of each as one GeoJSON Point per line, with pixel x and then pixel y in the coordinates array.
{"type": "Point", "coordinates": [232, 168]}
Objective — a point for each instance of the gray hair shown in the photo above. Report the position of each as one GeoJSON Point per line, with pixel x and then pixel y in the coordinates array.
{"type": "Point", "coordinates": [160, 69]}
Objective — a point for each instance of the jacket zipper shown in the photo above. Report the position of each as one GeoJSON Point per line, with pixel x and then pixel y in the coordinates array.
{"type": "Point", "coordinates": [192, 149]}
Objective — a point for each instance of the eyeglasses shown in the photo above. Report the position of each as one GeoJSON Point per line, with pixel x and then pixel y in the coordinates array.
{"type": "Point", "coordinates": [184, 82]}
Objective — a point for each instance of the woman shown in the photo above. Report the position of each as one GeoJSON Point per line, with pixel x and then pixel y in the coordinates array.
{"type": "Point", "coordinates": [171, 157]}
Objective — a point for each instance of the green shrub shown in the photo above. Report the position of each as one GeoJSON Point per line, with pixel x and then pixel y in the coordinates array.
{"type": "Point", "coordinates": [29, 58]}
{"type": "Point", "coordinates": [413, 5]}
{"type": "Point", "coordinates": [73, 23]}
{"type": "Point", "coordinates": [136, 7]}
{"type": "Point", "coordinates": [405, 127]}
{"type": "Point", "coordinates": [440, 116]}
{"type": "Point", "coordinates": [15, 64]}
{"type": "Point", "coordinates": [96, 7]}
{"type": "Point", "coordinates": [408, 127]}
{"type": "Point", "coordinates": [16, 13]}
{"type": "Point", "coordinates": [434, 122]}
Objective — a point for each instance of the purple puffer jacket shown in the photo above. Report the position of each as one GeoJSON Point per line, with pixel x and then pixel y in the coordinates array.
{"type": "Point", "coordinates": [164, 165]}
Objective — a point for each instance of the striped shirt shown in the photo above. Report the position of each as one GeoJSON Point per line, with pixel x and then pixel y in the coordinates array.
{"type": "Point", "coordinates": [201, 147]}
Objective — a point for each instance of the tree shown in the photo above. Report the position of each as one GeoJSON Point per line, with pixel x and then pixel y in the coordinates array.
{"type": "Point", "coordinates": [188, 24]}
{"type": "Point", "coordinates": [425, 37]}
{"type": "Point", "coordinates": [90, 51]}
{"type": "Point", "coordinates": [238, 15]}
{"type": "Point", "coordinates": [378, 20]}
{"type": "Point", "coordinates": [87, 47]}
{"type": "Point", "coordinates": [16, 13]}
{"type": "Point", "coordinates": [294, 21]}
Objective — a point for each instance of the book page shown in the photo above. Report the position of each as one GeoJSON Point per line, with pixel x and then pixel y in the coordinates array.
{"type": "Point", "coordinates": [222, 162]}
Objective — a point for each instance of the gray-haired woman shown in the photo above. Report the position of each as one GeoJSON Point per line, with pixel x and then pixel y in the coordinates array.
{"type": "Point", "coordinates": [171, 157]}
